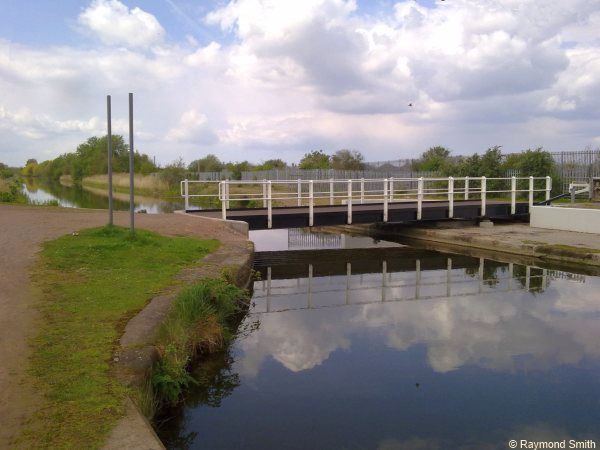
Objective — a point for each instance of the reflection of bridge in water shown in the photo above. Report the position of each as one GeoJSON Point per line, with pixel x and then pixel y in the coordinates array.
{"type": "Point", "coordinates": [287, 286]}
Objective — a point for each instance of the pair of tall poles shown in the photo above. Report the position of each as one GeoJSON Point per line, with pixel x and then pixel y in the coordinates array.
{"type": "Point", "coordinates": [131, 154]}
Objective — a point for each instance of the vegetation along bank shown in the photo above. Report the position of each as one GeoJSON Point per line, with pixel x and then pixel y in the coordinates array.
{"type": "Point", "coordinates": [169, 298]}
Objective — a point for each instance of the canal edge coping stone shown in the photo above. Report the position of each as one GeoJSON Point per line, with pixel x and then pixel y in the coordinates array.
{"type": "Point", "coordinates": [133, 361]}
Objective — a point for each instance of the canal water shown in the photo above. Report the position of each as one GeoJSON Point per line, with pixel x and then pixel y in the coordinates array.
{"type": "Point", "coordinates": [375, 345]}
{"type": "Point", "coordinates": [74, 196]}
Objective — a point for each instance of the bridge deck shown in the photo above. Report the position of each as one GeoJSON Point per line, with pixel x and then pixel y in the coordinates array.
{"type": "Point", "coordinates": [292, 217]}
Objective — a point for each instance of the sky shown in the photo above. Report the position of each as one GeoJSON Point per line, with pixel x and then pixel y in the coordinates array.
{"type": "Point", "coordinates": [260, 79]}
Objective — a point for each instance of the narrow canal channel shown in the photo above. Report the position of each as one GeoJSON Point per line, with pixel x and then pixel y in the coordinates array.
{"type": "Point", "coordinates": [42, 191]}
{"type": "Point", "coordinates": [375, 345]}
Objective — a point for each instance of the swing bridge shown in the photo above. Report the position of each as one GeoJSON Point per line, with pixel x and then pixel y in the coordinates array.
{"type": "Point", "coordinates": [267, 204]}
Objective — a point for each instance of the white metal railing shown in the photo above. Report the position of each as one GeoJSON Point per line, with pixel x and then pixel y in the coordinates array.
{"type": "Point", "coordinates": [311, 193]}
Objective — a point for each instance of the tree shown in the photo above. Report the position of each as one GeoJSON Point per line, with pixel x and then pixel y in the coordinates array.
{"type": "Point", "coordinates": [210, 163]}
{"type": "Point", "coordinates": [316, 159]}
{"type": "Point", "coordinates": [532, 163]}
{"type": "Point", "coordinates": [491, 163]}
{"type": "Point", "coordinates": [173, 173]}
{"type": "Point", "coordinates": [5, 171]}
{"type": "Point", "coordinates": [90, 159]}
{"type": "Point", "coordinates": [237, 168]}
{"type": "Point", "coordinates": [271, 164]}
{"type": "Point", "coordinates": [434, 159]}
{"type": "Point", "coordinates": [347, 160]}
{"type": "Point", "coordinates": [30, 168]}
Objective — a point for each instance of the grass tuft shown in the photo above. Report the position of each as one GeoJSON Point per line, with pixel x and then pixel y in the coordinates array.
{"type": "Point", "coordinates": [197, 323]}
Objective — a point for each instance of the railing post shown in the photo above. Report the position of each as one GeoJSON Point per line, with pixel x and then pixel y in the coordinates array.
{"type": "Point", "coordinates": [385, 200]}
{"type": "Point", "coordinates": [548, 187]}
{"type": "Point", "coordinates": [530, 192]}
{"type": "Point", "coordinates": [513, 195]}
{"type": "Point", "coordinates": [264, 189]}
{"type": "Point", "coordinates": [310, 203]}
{"type": "Point", "coordinates": [349, 202]}
{"type": "Point", "coordinates": [362, 191]}
{"type": "Point", "coordinates": [392, 189]}
{"type": "Point", "coordinates": [420, 198]}
{"type": "Point", "coordinates": [483, 195]}
{"type": "Point", "coordinates": [186, 191]}
{"type": "Point", "coordinates": [331, 191]}
{"type": "Point", "coordinates": [223, 187]}
{"type": "Point", "coordinates": [299, 192]}
{"type": "Point", "coordinates": [450, 197]}
{"type": "Point", "coordinates": [466, 188]}
{"type": "Point", "coordinates": [269, 206]}
{"type": "Point", "coordinates": [227, 192]}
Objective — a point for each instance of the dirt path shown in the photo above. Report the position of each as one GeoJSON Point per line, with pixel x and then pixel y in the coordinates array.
{"type": "Point", "coordinates": [22, 230]}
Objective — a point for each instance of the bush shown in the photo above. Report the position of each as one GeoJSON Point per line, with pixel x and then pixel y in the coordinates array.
{"type": "Point", "coordinates": [173, 173]}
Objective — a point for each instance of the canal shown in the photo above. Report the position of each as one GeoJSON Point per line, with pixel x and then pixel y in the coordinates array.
{"type": "Point", "coordinates": [42, 191]}
{"type": "Point", "coordinates": [352, 343]}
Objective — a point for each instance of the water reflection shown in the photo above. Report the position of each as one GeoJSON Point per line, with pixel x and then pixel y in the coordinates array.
{"type": "Point", "coordinates": [397, 348]}
{"type": "Point", "coordinates": [72, 196]}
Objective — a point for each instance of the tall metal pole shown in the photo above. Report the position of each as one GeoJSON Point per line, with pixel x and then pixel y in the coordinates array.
{"type": "Point", "coordinates": [109, 150]}
{"type": "Point", "coordinates": [131, 205]}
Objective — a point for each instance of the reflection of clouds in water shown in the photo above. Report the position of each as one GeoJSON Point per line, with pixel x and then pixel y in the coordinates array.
{"type": "Point", "coordinates": [296, 343]}
{"type": "Point", "coordinates": [494, 439]}
{"type": "Point", "coordinates": [498, 331]}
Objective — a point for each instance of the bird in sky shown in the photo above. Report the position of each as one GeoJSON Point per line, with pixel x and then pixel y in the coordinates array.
{"type": "Point", "coordinates": [410, 104]}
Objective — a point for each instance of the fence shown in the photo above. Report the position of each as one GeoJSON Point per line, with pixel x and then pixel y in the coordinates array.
{"type": "Point", "coordinates": [571, 166]}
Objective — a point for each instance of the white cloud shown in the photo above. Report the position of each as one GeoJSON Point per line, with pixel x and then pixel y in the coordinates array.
{"type": "Point", "coordinates": [193, 127]}
{"type": "Point", "coordinates": [295, 76]}
{"type": "Point", "coordinates": [115, 24]}
{"type": "Point", "coordinates": [32, 126]}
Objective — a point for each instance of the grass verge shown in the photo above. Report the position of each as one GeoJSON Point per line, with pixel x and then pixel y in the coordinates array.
{"type": "Point", "coordinates": [91, 284]}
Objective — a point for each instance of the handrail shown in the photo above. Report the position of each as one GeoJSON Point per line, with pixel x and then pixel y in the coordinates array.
{"type": "Point", "coordinates": [311, 193]}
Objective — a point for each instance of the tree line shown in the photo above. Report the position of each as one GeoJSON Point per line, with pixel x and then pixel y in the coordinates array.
{"type": "Point", "coordinates": [492, 163]}
{"type": "Point", "coordinates": [90, 159]}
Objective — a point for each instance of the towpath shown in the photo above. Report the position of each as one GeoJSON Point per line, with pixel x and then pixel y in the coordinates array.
{"type": "Point", "coordinates": [22, 231]}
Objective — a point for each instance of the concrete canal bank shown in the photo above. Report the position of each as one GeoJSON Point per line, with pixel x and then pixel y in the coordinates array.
{"type": "Point", "coordinates": [138, 354]}
{"type": "Point", "coordinates": [563, 247]}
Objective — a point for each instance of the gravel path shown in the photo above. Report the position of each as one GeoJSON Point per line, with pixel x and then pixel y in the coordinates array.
{"type": "Point", "coordinates": [22, 230]}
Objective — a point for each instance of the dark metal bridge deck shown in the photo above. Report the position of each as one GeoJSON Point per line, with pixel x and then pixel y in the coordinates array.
{"type": "Point", "coordinates": [297, 217]}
